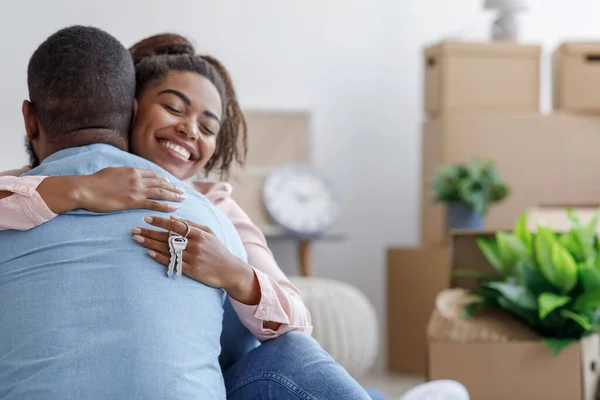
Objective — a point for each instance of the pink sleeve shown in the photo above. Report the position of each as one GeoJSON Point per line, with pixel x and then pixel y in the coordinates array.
{"type": "Point", "coordinates": [280, 299]}
{"type": "Point", "coordinates": [25, 208]}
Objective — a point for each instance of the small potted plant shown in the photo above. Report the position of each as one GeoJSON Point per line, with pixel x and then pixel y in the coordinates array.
{"type": "Point", "coordinates": [468, 189]}
{"type": "Point", "coordinates": [548, 280]}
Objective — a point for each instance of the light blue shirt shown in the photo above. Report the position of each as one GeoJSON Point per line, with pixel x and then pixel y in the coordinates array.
{"type": "Point", "coordinates": [86, 314]}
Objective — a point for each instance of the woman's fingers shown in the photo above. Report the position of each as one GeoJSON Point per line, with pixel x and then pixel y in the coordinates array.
{"type": "Point", "coordinates": [152, 244]}
{"type": "Point", "coordinates": [169, 224]}
{"type": "Point", "coordinates": [161, 236]}
{"type": "Point", "coordinates": [163, 183]}
{"type": "Point", "coordinates": [193, 224]}
{"type": "Point", "coordinates": [159, 193]}
{"type": "Point", "coordinates": [155, 205]}
{"type": "Point", "coordinates": [160, 257]}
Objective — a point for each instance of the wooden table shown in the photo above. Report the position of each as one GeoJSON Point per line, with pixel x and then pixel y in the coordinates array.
{"type": "Point", "coordinates": [274, 233]}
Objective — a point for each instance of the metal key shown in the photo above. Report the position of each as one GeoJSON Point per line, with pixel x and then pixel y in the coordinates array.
{"type": "Point", "coordinates": [173, 259]}
{"type": "Point", "coordinates": [179, 244]}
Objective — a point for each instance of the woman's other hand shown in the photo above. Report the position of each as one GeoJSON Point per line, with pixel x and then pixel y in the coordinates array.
{"type": "Point", "coordinates": [205, 259]}
{"type": "Point", "coordinates": [109, 190]}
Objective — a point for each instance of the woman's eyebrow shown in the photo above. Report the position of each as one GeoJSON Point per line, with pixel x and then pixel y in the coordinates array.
{"type": "Point", "coordinates": [177, 93]}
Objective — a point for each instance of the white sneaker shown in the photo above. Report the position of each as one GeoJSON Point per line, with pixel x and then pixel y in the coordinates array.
{"type": "Point", "coordinates": [437, 390]}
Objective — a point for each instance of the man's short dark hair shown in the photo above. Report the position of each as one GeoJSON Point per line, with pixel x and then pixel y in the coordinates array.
{"type": "Point", "coordinates": [82, 78]}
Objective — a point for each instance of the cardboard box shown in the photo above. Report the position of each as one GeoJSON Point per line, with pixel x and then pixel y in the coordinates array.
{"type": "Point", "coordinates": [576, 77]}
{"type": "Point", "coordinates": [414, 277]}
{"type": "Point", "coordinates": [549, 159]}
{"type": "Point", "coordinates": [248, 193]}
{"type": "Point", "coordinates": [556, 216]}
{"type": "Point", "coordinates": [504, 360]}
{"type": "Point", "coordinates": [277, 137]}
{"type": "Point", "coordinates": [470, 77]}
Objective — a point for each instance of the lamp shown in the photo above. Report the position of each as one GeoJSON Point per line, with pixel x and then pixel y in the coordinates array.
{"type": "Point", "coordinates": [506, 26]}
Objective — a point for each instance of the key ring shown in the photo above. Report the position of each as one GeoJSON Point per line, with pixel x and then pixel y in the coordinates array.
{"type": "Point", "coordinates": [188, 229]}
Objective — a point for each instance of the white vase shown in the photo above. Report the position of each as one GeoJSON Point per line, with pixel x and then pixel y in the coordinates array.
{"type": "Point", "coordinates": [506, 26]}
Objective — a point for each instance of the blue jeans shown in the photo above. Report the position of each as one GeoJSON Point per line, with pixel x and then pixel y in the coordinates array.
{"type": "Point", "coordinates": [293, 366]}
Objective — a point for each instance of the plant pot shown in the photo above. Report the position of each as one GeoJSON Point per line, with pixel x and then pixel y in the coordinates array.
{"type": "Point", "coordinates": [459, 216]}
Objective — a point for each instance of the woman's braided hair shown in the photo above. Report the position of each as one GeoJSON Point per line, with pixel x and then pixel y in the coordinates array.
{"type": "Point", "coordinates": [156, 56]}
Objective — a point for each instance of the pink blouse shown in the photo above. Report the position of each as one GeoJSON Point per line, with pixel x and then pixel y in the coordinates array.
{"type": "Point", "coordinates": [280, 299]}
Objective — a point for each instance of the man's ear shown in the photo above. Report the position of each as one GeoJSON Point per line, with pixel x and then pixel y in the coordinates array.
{"type": "Point", "coordinates": [30, 119]}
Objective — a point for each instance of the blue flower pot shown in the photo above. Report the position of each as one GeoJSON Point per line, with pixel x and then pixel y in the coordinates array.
{"type": "Point", "coordinates": [459, 216]}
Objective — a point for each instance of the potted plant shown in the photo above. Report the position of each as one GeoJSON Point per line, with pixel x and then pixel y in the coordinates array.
{"type": "Point", "coordinates": [548, 280]}
{"type": "Point", "coordinates": [468, 189]}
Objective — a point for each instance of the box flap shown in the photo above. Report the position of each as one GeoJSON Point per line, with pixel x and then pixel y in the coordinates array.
{"type": "Point", "coordinates": [555, 216]}
{"type": "Point", "coordinates": [483, 49]}
{"type": "Point", "coordinates": [580, 48]}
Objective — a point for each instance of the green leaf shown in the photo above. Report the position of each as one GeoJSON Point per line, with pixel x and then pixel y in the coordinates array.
{"type": "Point", "coordinates": [516, 294]}
{"type": "Point", "coordinates": [585, 235]}
{"type": "Point", "coordinates": [522, 232]}
{"type": "Point", "coordinates": [587, 302]}
{"type": "Point", "coordinates": [530, 317]}
{"type": "Point", "coordinates": [571, 242]}
{"type": "Point", "coordinates": [557, 345]}
{"type": "Point", "coordinates": [531, 277]}
{"type": "Point", "coordinates": [548, 302]}
{"type": "Point", "coordinates": [491, 252]}
{"type": "Point", "coordinates": [544, 241]}
{"type": "Point", "coordinates": [580, 319]}
{"type": "Point", "coordinates": [589, 277]}
{"type": "Point", "coordinates": [511, 251]}
{"type": "Point", "coordinates": [565, 268]}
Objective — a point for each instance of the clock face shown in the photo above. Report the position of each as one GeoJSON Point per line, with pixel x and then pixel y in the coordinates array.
{"type": "Point", "coordinates": [300, 199]}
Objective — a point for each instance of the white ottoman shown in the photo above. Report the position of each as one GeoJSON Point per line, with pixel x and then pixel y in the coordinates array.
{"type": "Point", "coordinates": [345, 322]}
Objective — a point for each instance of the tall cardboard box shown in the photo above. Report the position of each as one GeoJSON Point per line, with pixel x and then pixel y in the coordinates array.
{"type": "Point", "coordinates": [550, 159]}
{"type": "Point", "coordinates": [414, 277]}
{"type": "Point", "coordinates": [475, 77]}
{"type": "Point", "coordinates": [576, 73]}
{"type": "Point", "coordinates": [503, 359]}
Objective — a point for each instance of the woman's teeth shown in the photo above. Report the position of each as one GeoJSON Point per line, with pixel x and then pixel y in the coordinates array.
{"type": "Point", "coordinates": [176, 148]}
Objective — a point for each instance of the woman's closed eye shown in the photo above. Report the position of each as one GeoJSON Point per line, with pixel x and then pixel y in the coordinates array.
{"type": "Point", "coordinates": [207, 130]}
{"type": "Point", "coordinates": [172, 109]}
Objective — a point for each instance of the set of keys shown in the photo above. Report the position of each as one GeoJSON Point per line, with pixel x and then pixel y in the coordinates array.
{"type": "Point", "coordinates": [177, 245]}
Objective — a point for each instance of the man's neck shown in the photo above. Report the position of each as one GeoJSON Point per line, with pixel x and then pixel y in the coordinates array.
{"type": "Point", "coordinates": [84, 137]}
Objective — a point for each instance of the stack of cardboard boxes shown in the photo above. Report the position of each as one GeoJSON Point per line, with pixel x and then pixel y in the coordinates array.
{"type": "Point", "coordinates": [482, 99]}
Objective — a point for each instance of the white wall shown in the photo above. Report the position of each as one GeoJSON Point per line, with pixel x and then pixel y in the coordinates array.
{"type": "Point", "coordinates": [355, 64]}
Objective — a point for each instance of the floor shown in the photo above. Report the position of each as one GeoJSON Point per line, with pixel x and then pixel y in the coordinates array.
{"type": "Point", "coordinates": [390, 385]}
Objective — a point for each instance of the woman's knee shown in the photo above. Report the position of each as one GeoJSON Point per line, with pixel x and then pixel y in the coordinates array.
{"type": "Point", "coordinates": [296, 344]}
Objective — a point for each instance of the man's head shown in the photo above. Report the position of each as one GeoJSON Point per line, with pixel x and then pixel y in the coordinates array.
{"type": "Point", "coordinates": [81, 88]}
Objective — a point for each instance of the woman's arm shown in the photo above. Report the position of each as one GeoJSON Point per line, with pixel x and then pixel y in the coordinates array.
{"type": "Point", "coordinates": [29, 201]}
{"type": "Point", "coordinates": [280, 308]}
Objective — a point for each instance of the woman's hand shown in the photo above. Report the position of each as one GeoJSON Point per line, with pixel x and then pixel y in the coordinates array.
{"type": "Point", "coordinates": [110, 189]}
{"type": "Point", "coordinates": [205, 259]}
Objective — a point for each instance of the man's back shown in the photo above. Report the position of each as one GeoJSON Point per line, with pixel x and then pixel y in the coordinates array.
{"type": "Point", "coordinates": [85, 313]}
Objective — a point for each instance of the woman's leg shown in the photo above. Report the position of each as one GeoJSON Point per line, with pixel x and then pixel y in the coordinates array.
{"type": "Point", "coordinates": [292, 366]}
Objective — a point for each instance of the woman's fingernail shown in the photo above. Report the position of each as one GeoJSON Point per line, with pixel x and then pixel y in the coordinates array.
{"type": "Point", "coordinates": [136, 230]}
{"type": "Point", "coordinates": [175, 217]}
{"type": "Point", "coordinates": [148, 219]}
{"type": "Point", "coordinates": [172, 207]}
{"type": "Point", "coordinates": [181, 197]}
{"type": "Point", "coordinates": [180, 190]}
{"type": "Point", "coordinates": [138, 238]}
{"type": "Point", "coordinates": [151, 253]}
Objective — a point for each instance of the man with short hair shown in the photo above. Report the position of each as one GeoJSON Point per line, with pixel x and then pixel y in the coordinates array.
{"type": "Point", "coordinates": [84, 312]}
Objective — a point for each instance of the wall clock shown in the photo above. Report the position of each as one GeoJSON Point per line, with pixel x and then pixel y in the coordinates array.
{"type": "Point", "coordinates": [301, 199]}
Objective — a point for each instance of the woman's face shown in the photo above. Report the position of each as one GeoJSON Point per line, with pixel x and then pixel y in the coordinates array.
{"type": "Point", "coordinates": [177, 123]}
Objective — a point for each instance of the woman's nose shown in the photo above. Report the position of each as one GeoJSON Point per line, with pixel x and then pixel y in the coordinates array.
{"type": "Point", "coordinates": [189, 129]}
